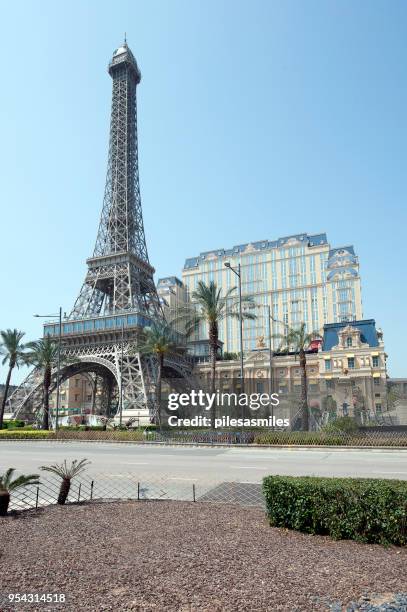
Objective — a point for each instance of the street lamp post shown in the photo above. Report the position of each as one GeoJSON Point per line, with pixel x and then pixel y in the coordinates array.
{"type": "Point", "coordinates": [269, 319]}
{"type": "Point", "coordinates": [59, 317]}
{"type": "Point", "coordinates": [270, 364]}
{"type": "Point", "coordinates": [239, 275]}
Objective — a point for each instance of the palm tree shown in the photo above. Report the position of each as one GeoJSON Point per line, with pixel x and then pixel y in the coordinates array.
{"type": "Point", "coordinates": [158, 340]}
{"type": "Point", "coordinates": [210, 306]}
{"type": "Point", "coordinates": [43, 354]}
{"type": "Point", "coordinates": [66, 473]}
{"type": "Point", "coordinates": [13, 352]}
{"type": "Point", "coordinates": [297, 340]}
{"type": "Point", "coordinates": [7, 484]}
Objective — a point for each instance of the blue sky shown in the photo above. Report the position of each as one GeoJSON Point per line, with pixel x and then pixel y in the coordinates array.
{"type": "Point", "coordinates": [256, 120]}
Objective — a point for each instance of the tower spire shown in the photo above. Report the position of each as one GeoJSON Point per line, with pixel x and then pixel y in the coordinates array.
{"type": "Point", "coordinates": [120, 277]}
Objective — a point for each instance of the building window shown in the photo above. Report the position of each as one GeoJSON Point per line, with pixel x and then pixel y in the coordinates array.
{"type": "Point", "coordinates": [378, 407]}
{"type": "Point", "coordinates": [89, 398]}
{"type": "Point", "coordinates": [259, 387]}
{"type": "Point", "coordinates": [77, 382]}
{"type": "Point", "coordinates": [351, 363]}
{"type": "Point", "coordinates": [348, 341]}
{"type": "Point", "coordinates": [76, 397]}
{"type": "Point", "coordinates": [328, 365]}
{"type": "Point", "coordinates": [375, 361]}
{"type": "Point", "coordinates": [376, 381]}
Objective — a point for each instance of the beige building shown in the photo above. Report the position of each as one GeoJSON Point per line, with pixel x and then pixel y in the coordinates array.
{"type": "Point", "coordinates": [301, 277]}
{"type": "Point", "coordinates": [80, 394]}
{"type": "Point", "coordinates": [346, 376]}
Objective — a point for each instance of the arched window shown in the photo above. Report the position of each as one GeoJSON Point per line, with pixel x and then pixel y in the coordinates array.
{"type": "Point", "coordinates": [349, 341]}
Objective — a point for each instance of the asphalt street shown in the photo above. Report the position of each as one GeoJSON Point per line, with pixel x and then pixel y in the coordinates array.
{"type": "Point", "coordinates": [199, 463]}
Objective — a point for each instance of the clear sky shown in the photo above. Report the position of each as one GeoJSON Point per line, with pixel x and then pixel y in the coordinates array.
{"type": "Point", "coordinates": [257, 119]}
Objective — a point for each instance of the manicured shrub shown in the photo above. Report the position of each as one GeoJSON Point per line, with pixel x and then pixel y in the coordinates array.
{"type": "Point", "coordinates": [26, 434]}
{"type": "Point", "coordinates": [362, 509]}
{"type": "Point", "coordinates": [13, 424]}
{"type": "Point", "coordinates": [78, 434]}
{"type": "Point", "coordinates": [346, 424]}
{"type": "Point", "coordinates": [300, 437]}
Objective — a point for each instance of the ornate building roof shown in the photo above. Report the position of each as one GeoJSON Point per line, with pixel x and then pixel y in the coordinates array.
{"type": "Point", "coordinates": [367, 328]}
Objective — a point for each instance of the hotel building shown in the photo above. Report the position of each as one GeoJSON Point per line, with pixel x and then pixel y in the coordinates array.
{"type": "Point", "coordinates": [301, 277]}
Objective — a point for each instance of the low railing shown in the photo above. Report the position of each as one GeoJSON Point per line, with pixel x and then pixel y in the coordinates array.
{"type": "Point", "coordinates": [107, 487]}
{"type": "Point", "coordinates": [366, 438]}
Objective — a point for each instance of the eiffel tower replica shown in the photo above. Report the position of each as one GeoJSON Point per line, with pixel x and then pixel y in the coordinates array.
{"type": "Point", "coordinates": [118, 297]}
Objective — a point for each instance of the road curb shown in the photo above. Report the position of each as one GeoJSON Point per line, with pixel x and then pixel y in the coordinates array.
{"type": "Point", "coordinates": [218, 445]}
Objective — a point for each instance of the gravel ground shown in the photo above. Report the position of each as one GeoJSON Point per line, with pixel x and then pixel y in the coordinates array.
{"type": "Point", "coordinates": [181, 556]}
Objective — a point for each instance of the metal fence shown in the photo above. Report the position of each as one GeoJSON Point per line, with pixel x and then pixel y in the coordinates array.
{"type": "Point", "coordinates": [367, 437]}
{"type": "Point", "coordinates": [120, 487]}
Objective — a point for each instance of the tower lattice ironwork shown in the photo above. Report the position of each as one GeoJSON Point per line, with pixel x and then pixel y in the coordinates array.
{"type": "Point", "coordinates": [118, 297]}
{"type": "Point", "coordinates": [120, 277]}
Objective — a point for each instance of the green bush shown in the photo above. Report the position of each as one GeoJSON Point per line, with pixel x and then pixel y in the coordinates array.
{"type": "Point", "coordinates": [365, 509]}
{"type": "Point", "coordinates": [300, 437]}
{"type": "Point", "coordinates": [25, 434]}
{"type": "Point", "coordinates": [345, 424]}
{"type": "Point", "coordinates": [13, 424]}
{"type": "Point", "coordinates": [80, 434]}
{"type": "Point", "coordinates": [81, 428]}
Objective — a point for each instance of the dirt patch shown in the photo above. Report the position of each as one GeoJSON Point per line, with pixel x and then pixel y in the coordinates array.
{"type": "Point", "coordinates": [181, 556]}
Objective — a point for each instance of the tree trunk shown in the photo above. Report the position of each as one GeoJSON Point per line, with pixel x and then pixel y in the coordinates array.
{"type": "Point", "coordinates": [4, 502]}
{"type": "Point", "coordinates": [47, 383]}
{"type": "Point", "coordinates": [213, 348]}
{"type": "Point", "coordinates": [107, 398]}
{"type": "Point", "coordinates": [304, 392]}
{"type": "Point", "coordinates": [6, 388]}
{"type": "Point", "coordinates": [158, 388]}
{"type": "Point", "coordinates": [64, 491]}
{"type": "Point", "coordinates": [95, 388]}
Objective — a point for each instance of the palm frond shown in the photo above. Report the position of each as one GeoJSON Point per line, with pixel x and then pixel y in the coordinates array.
{"type": "Point", "coordinates": [65, 471]}
{"type": "Point", "coordinates": [8, 484]}
{"type": "Point", "coordinates": [11, 347]}
{"type": "Point", "coordinates": [43, 353]}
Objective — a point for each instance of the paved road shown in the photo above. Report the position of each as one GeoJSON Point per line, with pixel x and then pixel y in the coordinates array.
{"type": "Point", "coordinates": [195, 464]}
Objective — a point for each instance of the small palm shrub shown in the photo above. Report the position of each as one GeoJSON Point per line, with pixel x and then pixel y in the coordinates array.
{"type": "Point", "coordinates": [66, 473]}
{"type": "Point", "coordinates": [7, 484]}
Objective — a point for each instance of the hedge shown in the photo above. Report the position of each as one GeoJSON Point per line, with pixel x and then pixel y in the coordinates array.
{"type": "Point", "coordinates": [361, 509]}
{"type": "Point", "coordinates": [121, 436]}
{"type": "Point", "coordinates": [13, 424]}
{"type": "Point", "coordinates": [332, 438]}
{"type": "Point", "coordinates": [18, 434]}
{"type": "Point", "coordinates": [301, 437]}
